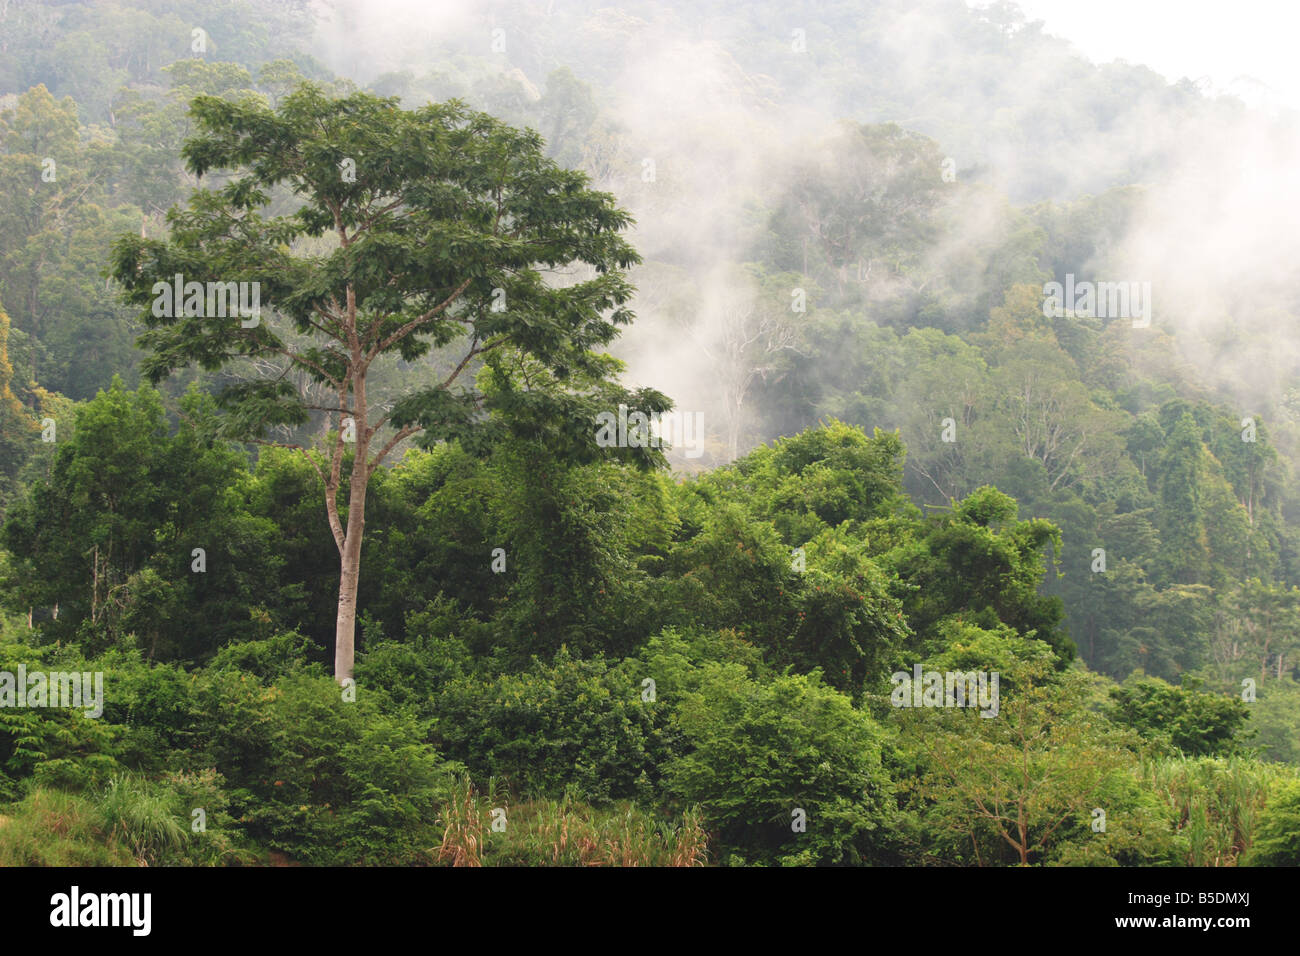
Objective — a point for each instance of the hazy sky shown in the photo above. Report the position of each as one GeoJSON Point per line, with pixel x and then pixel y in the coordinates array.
{"type": "Point", "coordinates": [1225, 42]}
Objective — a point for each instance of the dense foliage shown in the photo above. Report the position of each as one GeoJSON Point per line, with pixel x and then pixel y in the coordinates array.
{"type": "Point", "coordinates": [565, 659]}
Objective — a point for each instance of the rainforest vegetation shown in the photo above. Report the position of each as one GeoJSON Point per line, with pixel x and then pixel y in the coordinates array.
{"type": "Point", "coordinates": [545, 651]}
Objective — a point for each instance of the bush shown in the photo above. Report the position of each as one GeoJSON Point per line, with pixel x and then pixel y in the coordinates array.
{"type": "Point", "coordinates": [214, 842]}
{"type": "Point", "coordinates": [579, 722]}
{"type": "Point", "coordinates": [324, 780]}
{"type": "Point", "coordinates": [763, 751]}
{"type": "Point", "coordinates": [1186, 719]}
{"type": "Point", "coordinates": [1277, 833]}
{"type": "Point", "coordinates": [412, 674]}
{"type": "Point", "coordinates": [53, 746]}
{"type": "Point", "coordinates": [266, 659]}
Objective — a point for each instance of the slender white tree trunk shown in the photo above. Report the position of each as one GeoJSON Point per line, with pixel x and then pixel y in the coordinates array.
{"type": "Point", "coordinates": [345, 629]}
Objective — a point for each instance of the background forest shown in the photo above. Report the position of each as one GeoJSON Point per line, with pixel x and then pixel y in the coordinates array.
{"type": "Point", "coordinates": [846, 215]}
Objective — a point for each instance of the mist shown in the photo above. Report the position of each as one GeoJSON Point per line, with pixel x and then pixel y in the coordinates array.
{"type": "Point", "coordinates": [975, 359]}
{"type": "Point", "coordinates": [704, 135]}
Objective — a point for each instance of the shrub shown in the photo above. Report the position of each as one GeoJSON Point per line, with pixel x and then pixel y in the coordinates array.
{"type": "Point", "coordinates": [579, 722]}
{"type": "Point", "coordinates": [1277, 833]}
{"type": "Point", "coordinates": [215, 842]}
{"type": "Point", "coordinates": [411, 674]}
{"type": "Point", "coordinates": [1185, 719]}
{"type": "Point", "coordinates": [267, 659]}
{"type": "Point", "coordinates": [54, 746]}
{"type": "Point", "coordinates": [319, 778]}
{"type": "Point", "coordinates": [763, 751]}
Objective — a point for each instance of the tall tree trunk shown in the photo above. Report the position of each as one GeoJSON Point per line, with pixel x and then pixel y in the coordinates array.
{"type": "Point", "coordinates": [345, 629]}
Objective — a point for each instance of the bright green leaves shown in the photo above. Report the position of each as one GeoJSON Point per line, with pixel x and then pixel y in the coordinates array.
{"type": "Point", "coordinates": [1191, 720]}
{"type": "Point", "coordinates": [757, 753]}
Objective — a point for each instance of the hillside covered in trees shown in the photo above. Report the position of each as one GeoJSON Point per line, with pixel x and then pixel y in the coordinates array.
{"type": "Point", "coordinates": [818, 237]}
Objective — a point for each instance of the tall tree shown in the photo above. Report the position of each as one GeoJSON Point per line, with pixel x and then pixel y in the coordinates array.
{"type": "Point", "coordinates": [1186, 552]}
{"type": "Point", "coordinates": [16, 423]}
{"type": "Point", "coordinates": [1022, 787]}
{"type": "Point", "coordinates": [54, 228]}
{"type": "Point", "coordinates": [752, 323]}
{"type": "Point", "coordinates": [411, 231]}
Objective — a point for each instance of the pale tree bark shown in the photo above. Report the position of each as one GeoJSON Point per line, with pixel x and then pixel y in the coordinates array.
{"type": "Point", "coordinates": [345, 629]}
{"type": "Point", "coordinates": [743, 343]}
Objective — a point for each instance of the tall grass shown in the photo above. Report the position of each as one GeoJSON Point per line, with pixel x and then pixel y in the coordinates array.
{"type": "Point", "coordinates": [565, 832]}
{"type": "Point", "coordinates": [136, 822]}
{"type": "Point", "coordinates": [1215, 802]}
{"type": "Point", "coordinates": [142, 817]}
{"type": "Point", "coordinates": [53, 828]}
{"type": "Point", "coordinates": [462, 828]}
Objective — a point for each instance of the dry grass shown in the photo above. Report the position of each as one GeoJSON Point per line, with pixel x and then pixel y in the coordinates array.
{"type": "Point", "coordinates": [462, 823]}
